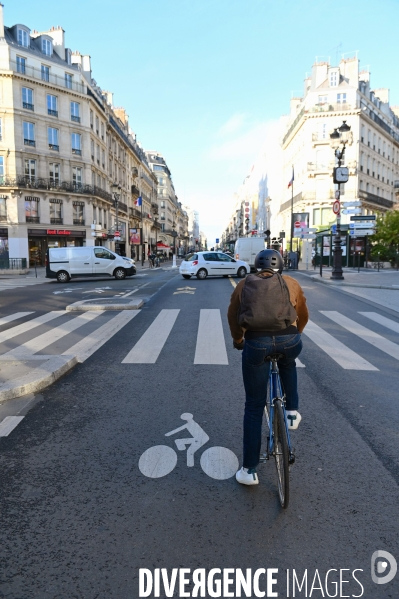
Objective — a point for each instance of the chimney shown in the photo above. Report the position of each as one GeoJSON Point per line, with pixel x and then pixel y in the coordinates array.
{"type": "Point", "coordinates": [1, 21]}
{"type": "Point", "coordinates": [382, 94]}
{"type": "Point", "coordinates": [121, 114]}
{"type": "Point", "coordinates": [76, 58]}
{"type": "Point", "coordinates": [86, 66]}
{"type": "Point", "coordinates": [109, 97]}
{"type": "Point", "coordinates": [58, 35]}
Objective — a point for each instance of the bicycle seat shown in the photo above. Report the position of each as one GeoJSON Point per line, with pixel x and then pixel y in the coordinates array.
{"type": "Point", "coordinates": [276, 357]}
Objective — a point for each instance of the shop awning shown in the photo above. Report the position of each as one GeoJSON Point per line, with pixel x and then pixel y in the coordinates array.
{"type": "Point", "coordinates": [160, 244]}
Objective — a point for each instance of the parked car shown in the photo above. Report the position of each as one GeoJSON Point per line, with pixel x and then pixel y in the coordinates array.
{"type": "Point", "coordinates": [203, 264]}
{"type": "Point", "coordinates": [64, 263]}
{"type": "Point", "coordinates": [246, 248]}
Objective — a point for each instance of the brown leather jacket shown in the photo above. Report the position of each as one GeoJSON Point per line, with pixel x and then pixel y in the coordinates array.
{"type": "Point", "coordinates": [297, 299]}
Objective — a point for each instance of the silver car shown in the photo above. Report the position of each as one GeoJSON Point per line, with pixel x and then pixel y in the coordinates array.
{"type": "Point", "coordinates": [203, 264]}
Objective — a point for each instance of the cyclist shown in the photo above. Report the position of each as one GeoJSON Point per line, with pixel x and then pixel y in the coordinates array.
{"type": "Point", "coordinates": [260, 343]}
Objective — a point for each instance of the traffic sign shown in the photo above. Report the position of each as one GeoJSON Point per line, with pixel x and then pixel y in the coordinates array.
{"type": "Point", "coordinates": [308, 236]}
{"type": "Point", "coordinates": [355, 203]}
{"type": "Point", "coordinates": [297, 224]}
{"type": "Point", "coordinates": [334, 229]}
{"type": "Point", "coordinates": [369, 217]}
{"type": "Point", "coordinates": [217, 240]}
{"type": "Point", "coordinates": [308, 229]}
{"type": "Point", "coordinates": [117, 234]}
{"type": "Point", "coordinates": [361, 232]}
{"type": "Point", "coordinates": [336, 207]}
{"type": "Point", "coordinates": [352, 211]}
{"type": "Point", "coordinates": [361, 225]}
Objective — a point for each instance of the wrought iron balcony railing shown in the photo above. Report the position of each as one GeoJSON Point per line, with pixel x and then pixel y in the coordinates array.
{"type": "Point", "coordinates": [67, 186]}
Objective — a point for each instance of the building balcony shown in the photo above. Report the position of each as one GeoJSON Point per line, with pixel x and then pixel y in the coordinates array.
{"type": "Point", "coordinates": [28, 106]}
{"type": "Point", "coordinates": [54, 147]}
{"type": "Point", "coordinates": [52, 112]}
{"type": "Point", "coordinates": [374, 200]}
{"type": "Point", "coordinates": [32, 219]}
{"type": "Point", "coordinates": [134, 213]}
{"type": "Point", "coordinates": [76, 151]}
{"type": "Point", "coordinates": [135, 190]}
{"type": "Point", "coordinates": [58, 80]}
{"type": "Point", "coordinates": [64, 186]}
{"type": "Point", "coordinates": [56, 221]}
{"type": "Point", "coordinates": [79, 221]}
{"type": "Point", "coordinates": [75, 119]}
{"type": "Point", "coordinates": [30, 142]}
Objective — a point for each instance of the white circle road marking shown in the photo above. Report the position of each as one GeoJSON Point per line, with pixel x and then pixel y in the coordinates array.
{"type": "Point", "coordinates": [219, 463]}
{"type": "Point", "coordinates": [157, 461]}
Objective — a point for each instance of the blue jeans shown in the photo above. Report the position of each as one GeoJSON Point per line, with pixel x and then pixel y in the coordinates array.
{"type": "Point", "coordinates": [255, 372]}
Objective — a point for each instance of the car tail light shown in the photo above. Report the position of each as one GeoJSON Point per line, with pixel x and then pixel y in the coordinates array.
{"type": "Point", "coordinates": [45, 261]}
{"type": "Point", "coordinates": [237, 256]}
{"type": "Point", "coordinates": [195, 262]}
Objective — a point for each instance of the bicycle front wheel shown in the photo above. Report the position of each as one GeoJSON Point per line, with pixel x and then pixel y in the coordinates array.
{"type": "Point", "coordinates": [281, 453]}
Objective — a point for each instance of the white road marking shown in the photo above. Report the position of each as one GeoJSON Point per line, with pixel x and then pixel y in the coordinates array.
{"type": "Point", "coordinates": [8, 424]}
{"type": "Point", "coordinates": [38, 343]}
{"type": "Point", "coordinates": [211, 347]}
{"type": "Point", "coordinates": [219, 463]}
{"type": "Point", "coordinates": [31, 324]}
{"type": "Point", "coordinates": [12, 317]}
{"type": "Point", "coordinates": [149, 346]}
{"type": "Point", "coordinates": [366, 334]}
{"type": "Point", "coordinates": [90, 344]}
{"type": "Point", "coordinates": [345, 357]}
{"type": "Point", "coordinates": [157, 461]}
{"type": "Point", "coordinates": [386, 322]}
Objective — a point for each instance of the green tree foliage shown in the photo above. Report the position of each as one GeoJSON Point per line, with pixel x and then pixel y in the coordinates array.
{"type": "Point", "coordinates": [385, 242]}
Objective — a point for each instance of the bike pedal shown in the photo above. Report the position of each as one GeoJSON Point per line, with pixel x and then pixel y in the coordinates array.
{"type": "Point", "coordinates": [263, 458]}
{"type": "Point", "coordinates": [291, 459]}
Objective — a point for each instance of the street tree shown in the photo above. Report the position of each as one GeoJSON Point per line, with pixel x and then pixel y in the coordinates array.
{"type": "Point", "coordinates": [385, 242]}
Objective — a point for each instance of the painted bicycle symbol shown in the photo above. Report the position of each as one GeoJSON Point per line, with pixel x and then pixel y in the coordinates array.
{"type": "Point", "coordinates": [217, 462]}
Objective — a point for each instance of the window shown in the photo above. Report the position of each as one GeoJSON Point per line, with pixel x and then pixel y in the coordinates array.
{"type": "Point", "coordinates": [333, 78]}
{"type": "Point", "coordinates": [23, 38]}
{"type": "Point", "coordinates": [103, 158]}
{"type": "Point", "coordinates": [54, 172]}
{"type": "Point", "coordinates": [52, 136]}
{"type": "Point", "coordinates": [78, 213]}
{"type": "Point", "coordinates": [21, 65]}
{"type": "Point", "coordinates": [77, 176]}
{"type": "Point", "coordinates": [76, 143]}
{"type": "Point", "coordinates": [56, 212]}
{"type": "Point", "coordinates": [158, 168]}
{"type": "Point", "coordinates": [92, 149]}
{"type": "Point", "coordinates": [102, 130]}
{"type": "Point", "coordinates": [47, 47]}
{"type": "Point", "coordinates": [322, 100]}
{"type": "Point", "coordinates": [29, 134]}
{"type": "Point", "coordinates": [30, 169]}
{"type": "Point", "coordinates": [68, 80]}
{"type": "Point", "coordinates": [162, 204]}
{"type": "Point", "coordinates": [162, 215]}
{"type": "Point", "coordinates": [75, 112]}
{"type": "Point", "coordinates": [27, 98]}
{"type": "Point", "coordinates": [341, 98]}
{"type": "Point", "coordinates": [103, 254]}
{"type": "Point", "coordinates": [1, 170]}
{"type": "Point", "coordinates": [91, 119]}
{"type": "Point", "coordinates": [32, 210]}
{"type": "Point", "coordinates": [52, 105]}
{"type": "Point", "coordinates": [3, 208]}
{"type": "Point", "coordinates": [98, 154]}
{"type": "Point", "coordinates": [97, 125]}
{"type": "Point", "coordinates": [45, 73]}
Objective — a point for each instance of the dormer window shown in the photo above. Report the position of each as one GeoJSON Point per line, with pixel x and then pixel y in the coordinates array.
{"type": "Point", "coordinates": [23, 38]}
{"type": "Point", "coordinates": [334, 78]}
{"type": "Point", "coordinates": [47, 47]}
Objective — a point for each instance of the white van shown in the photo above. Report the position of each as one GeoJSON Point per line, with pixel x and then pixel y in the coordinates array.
{"type": "Point", "coordinates": [246, 249]}
{"type": "Point", "coordinates": [64, 263]}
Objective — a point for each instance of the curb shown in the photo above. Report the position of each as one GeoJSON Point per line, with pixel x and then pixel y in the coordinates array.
{"type": "Point", "coordinates": [84, 306]}
{"type": "Point", "coordinates": [37, 379]}
{"type": "Point", "coordinates": [361, 285]}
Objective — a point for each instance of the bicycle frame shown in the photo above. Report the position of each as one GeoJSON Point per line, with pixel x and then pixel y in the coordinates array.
{"type": "Point", "coordinates": [276, 392]}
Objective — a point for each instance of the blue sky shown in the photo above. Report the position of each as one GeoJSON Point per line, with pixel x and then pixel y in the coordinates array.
{"type": "Point", "coordinates": [200, 79]}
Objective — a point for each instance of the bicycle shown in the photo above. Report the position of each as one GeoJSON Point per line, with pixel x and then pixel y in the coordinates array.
{"type": "Point", "coordinates": [278, 439]}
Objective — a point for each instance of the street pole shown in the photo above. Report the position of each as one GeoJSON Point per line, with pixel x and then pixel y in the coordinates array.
{"type": "Point", "coordinates": [116, 201]}
{"type": "Point", "coordinates": [292, 213]}
{"type": "Point", "coordinates": [339, 137]}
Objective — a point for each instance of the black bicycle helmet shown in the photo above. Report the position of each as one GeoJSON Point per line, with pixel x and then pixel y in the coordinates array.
{"type": "Point", "coordinates": [269, 259]}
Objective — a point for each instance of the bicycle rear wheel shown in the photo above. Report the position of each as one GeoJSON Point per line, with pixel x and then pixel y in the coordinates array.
{"type": "Point", "coordinates": [281, 454]}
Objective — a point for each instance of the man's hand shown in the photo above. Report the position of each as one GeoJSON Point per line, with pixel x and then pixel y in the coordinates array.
{"type": "Point", "coordinates": [238, 344]}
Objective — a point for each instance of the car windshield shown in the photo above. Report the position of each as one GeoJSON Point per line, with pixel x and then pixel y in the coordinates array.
{"type": "Point", "coordinates": [191, 257]}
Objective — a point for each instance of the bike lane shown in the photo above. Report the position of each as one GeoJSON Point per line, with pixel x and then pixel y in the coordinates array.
{"type": "Point", "coordinates": [81, 518]}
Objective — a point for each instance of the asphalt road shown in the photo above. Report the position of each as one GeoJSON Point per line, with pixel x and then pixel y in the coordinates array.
{"type": "Point", "coordinates": [78, 516]}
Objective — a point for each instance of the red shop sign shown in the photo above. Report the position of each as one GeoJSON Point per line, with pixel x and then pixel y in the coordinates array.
{"type": "Point", "coordinates": [58, 232]}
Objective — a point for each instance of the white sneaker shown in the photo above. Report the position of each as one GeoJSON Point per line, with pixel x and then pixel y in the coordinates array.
{"type": "Point", "coordinates": [247, 476]}
{"type": "Point", "coordinates": [294, 418]}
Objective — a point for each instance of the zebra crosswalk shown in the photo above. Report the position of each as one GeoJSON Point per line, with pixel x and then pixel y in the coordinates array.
{"type": "Point", "coordinates": [61, 333]}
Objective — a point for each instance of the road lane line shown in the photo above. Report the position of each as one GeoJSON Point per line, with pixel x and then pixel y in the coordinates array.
{"type": "Point", "coordinates": [8, 424]}
{"type": "Point", "coordinates": [386, 322]}
{"type": "Point", "coordinates": [12, 317]}
{"type": "Point", "coordinates": [366, 334]}
{"type": "Point", "coordinates": [149, 346]}
{"type": "Point", "coordinates": [31, 324]}
{"type": "Point", "coordinates": [86, 347]}
{"type": "Point", "coordinates": [211, 347]}
{"type": "Point", "coordinates": [345, 357]}
{"type": "Point", "coordinates": [38, 343]}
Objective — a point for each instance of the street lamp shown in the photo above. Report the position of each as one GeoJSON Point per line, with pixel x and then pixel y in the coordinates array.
{"type": "Point", "coordinates": [156, 235]}
{"type": "Point", "coordinates": [338, 140]}
{"type": "Point", "coordinates": [117, 188]}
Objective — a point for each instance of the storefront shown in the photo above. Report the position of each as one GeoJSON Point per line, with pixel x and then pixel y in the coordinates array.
{"type": "Point", "coordinates": [41, 239]}
{"type": "Point", "coordinates": [4, 248]}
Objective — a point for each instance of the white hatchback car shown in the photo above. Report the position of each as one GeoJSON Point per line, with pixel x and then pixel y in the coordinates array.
{"type": "Point", "coordinates": [202, 264]}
